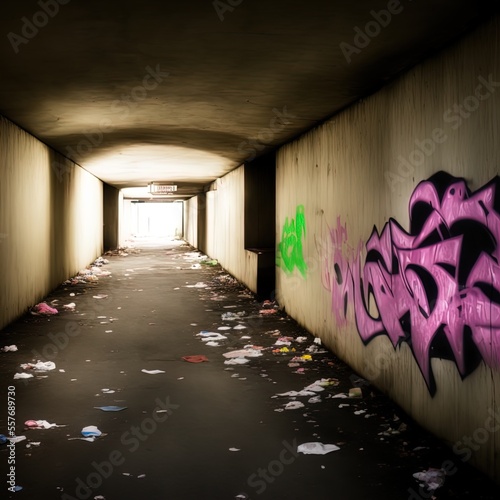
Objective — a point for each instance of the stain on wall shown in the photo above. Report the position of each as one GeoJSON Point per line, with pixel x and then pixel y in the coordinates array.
{"type": "Point", "coordinates": [290, 253]}
{"type": "Point", "coordinates": [436, 287]}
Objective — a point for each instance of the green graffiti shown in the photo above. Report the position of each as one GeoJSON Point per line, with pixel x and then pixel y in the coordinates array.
{"type": "Point", "coordinates": [290, 253]}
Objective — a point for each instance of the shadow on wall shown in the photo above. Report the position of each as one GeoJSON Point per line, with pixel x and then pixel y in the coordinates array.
{"type": "Point", "coordinates": [436, 287]}
{"type": "Point", "coordinates": [259, 220]}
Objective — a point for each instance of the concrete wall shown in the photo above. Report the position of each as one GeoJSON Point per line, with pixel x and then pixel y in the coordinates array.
{"type": "Point", "coordinates": [357, 171]}
{"type": "Point", "coordinates": [214, 223]}
{"type": "Point", "coordinates": [234, 223]}
{"type": "Point", "coordinates": [191, 224]}
{"type": "Point", "coordinates": [126, 226]}
{"type": "Point", "coordinates": [121, 216]}
{"type": "Point", "coordinates": [225, 238]}
{"type": "Point", "coordinates": [50, 220]}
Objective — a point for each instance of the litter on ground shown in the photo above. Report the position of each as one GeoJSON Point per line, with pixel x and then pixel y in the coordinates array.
{"type": "Point", "coordinates": [197, 358]}
{"type": "Point", "coordinates": [212, 337]}
{"type": "Point", "coordinates": [236, 361]}
{"type": "Point", "coordinates": [432, 479]}
{"type": "Point", "coordinates": [316, 448]}
{"type": "Point", "coordinates": [294, 405]}
{"type": "Point", "coordinates": [16, 439]}
{"type": "Point", "coordinates": [43, 309]}
{"type": "Point", "coordinates": [110, 408]}
{"type": "Point", "coordinates": [40, 366]}
{"type": "Point", "coordinates": [9, 348]}
{"type": "Point", "coordinates": [231, 316]}
{"type": "Point", "coordinates": [40, 424]}
{"type": "Point", "coordinates": [250, 353]}
{"type": "Point", "coordinates": [355, 392]}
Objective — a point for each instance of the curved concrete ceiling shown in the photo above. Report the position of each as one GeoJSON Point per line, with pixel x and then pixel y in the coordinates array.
{"type": "Point", "coordinates": [184, 92]}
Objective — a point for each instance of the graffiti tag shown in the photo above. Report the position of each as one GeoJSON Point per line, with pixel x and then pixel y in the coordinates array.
{"type": "Point", "coordinates": [436, 287]}
{"type": "Point", "coordinates": [290, 253]}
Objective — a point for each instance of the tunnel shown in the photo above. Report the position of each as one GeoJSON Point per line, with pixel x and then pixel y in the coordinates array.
{"type": "Point", "coordinates": [249, 250]}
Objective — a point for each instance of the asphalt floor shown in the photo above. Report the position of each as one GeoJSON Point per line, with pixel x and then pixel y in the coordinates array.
{"type": "Point", "coordinates": [214, 429]}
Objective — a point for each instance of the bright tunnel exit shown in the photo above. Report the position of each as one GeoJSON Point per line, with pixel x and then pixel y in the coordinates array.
{"type": "Point", "coordinates": [152, 222]}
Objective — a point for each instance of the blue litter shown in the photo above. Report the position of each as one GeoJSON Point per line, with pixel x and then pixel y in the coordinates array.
{"type": "Point", "coordinates": [110, 408]}
{"type": "Point", "coordinates": [91, 431]}
{"type": "Point", "coordinates": [3, 439]}
{"type": "Point", "coordinates": [205, 333]}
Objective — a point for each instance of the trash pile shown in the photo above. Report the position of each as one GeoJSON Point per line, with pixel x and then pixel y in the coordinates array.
{"type": "Point", "coordinates": [269, 307]}
{"type": "Point", "coordinates": [226, 281]}
{"type": "Point", "coordinates": [32, 369]}
{"type": "Point", "coordinates": [231, 316]}
{"type": "Point", "coordinates": [431, 479]}
{"type": "Point", "coordinates": [311, 391]}
{"type": "Point", "coordinates": [198, 259]}
{"type": "Point", "coordinates": [123, 251]}
{"type": "Point", "coordinates": [90, 274]}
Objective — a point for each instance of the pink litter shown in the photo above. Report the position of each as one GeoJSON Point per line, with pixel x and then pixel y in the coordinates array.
{"type": "Point", "coordinates": [267, 311]}
{"type": "Point", "coordinates": [43, 309]}
{"type": "Point", "coordinates": [197, 358]}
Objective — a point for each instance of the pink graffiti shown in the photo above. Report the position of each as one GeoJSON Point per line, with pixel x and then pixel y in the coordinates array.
{"type": "Point", "coordinates": [441, 277]}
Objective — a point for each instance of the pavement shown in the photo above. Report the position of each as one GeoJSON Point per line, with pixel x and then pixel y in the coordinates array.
{"type": "Point", "coordinates": [214, 429]}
